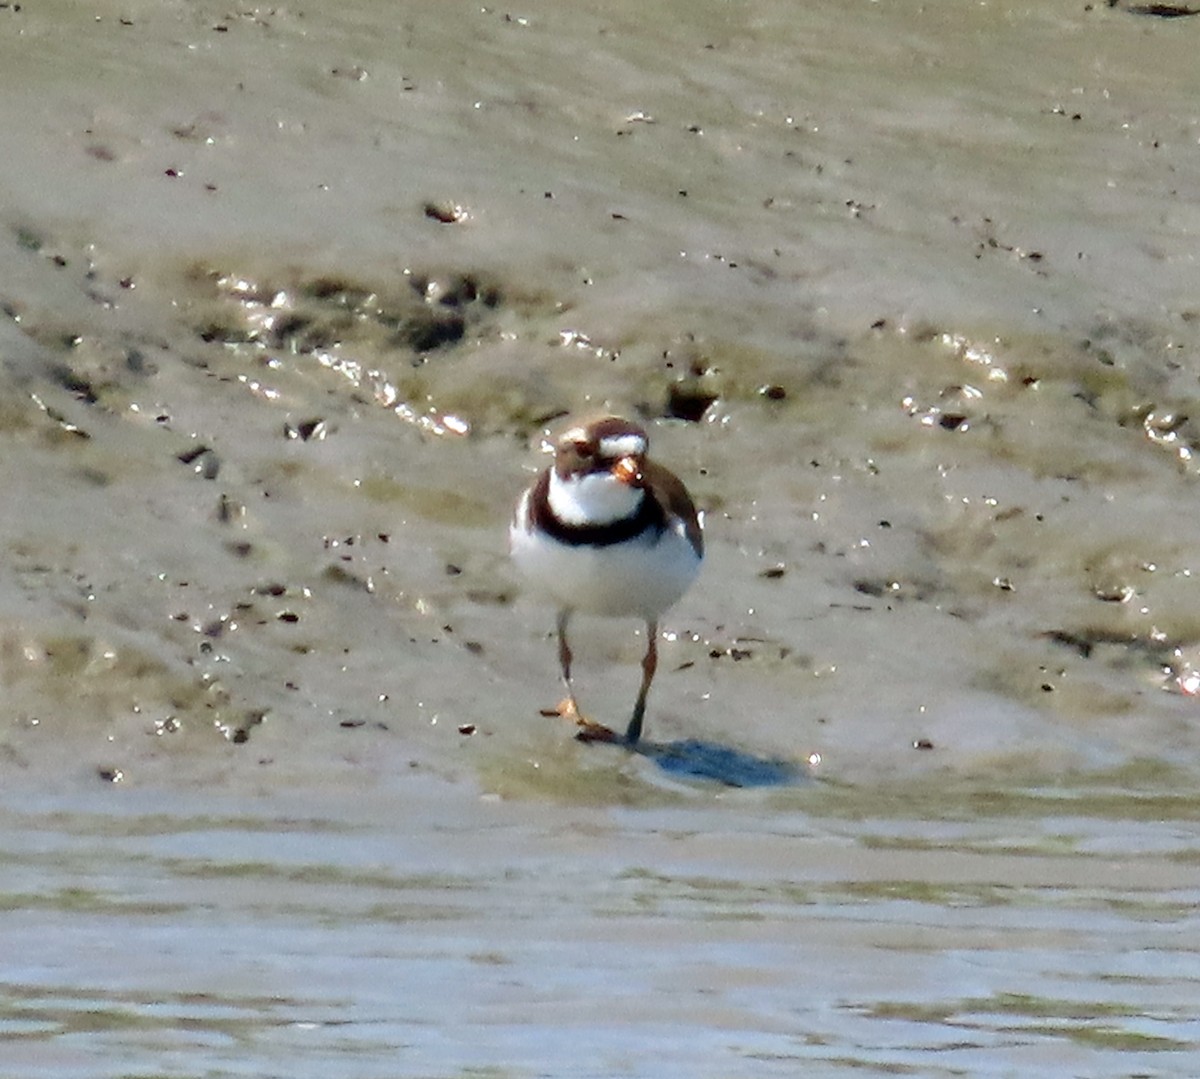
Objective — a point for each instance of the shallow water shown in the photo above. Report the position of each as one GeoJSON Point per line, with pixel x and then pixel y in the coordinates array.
{"type": "Point", "coordinates": [906, 292]}
{"type": "Point", "coordinates": [291, 934]}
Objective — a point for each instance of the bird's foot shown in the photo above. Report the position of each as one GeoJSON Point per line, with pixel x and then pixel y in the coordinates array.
{"type": "Point", "coordinates": [591, 731]}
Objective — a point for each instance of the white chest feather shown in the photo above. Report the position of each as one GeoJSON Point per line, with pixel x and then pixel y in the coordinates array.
{"type": "Point", "coordinates": [595, 498]}
{"type": "Point", "coordinates": [642, 576]}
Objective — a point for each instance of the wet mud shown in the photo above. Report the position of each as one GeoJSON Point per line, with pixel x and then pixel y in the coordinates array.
{"type": "Point", "coordinates": [292, 302]}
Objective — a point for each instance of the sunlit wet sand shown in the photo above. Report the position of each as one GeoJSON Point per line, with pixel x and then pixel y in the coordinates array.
{"type": "Point", "coordinates": [906, 293]}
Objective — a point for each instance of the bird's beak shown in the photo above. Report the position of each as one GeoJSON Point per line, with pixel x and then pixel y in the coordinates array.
{"type": "Point", "coordinates": [627, 470]}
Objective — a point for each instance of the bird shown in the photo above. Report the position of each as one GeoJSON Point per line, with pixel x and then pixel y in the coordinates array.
{"type": "Point", "coordinates": [606, 531]}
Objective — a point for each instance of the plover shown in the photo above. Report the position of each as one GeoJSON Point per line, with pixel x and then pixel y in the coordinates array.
{"type": "Point", "coordinates": [605, 531]}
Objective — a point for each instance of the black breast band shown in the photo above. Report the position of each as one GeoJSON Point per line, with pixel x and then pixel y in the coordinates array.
{"type": "Point", "coordinates": [649, 515]}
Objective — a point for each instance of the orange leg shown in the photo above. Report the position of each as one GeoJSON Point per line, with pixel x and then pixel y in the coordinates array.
{"type": "Point", "coordinates": [568, 708]}
{"type": "Point", "coordinates": [564, 660]}
{"type": "Point", "coordinates": [649, 665]}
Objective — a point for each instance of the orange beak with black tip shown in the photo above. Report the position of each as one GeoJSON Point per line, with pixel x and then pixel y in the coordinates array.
{"type": "Point", "coordinates": [628, 471]}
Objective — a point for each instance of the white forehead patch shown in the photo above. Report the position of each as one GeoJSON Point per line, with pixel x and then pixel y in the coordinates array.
{"type": "Point", "coordinates": [615, 446]}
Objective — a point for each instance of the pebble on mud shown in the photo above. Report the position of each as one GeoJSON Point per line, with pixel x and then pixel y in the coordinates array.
{"type": "Point", "coordinates": [448, 213]}
{"type": "Point", "coordinates": [203, 460]}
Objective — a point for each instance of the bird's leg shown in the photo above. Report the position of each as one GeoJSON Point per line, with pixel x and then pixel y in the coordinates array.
{"type": "Point", "coordinates": [589, 730]}
{"type": "Point", "coordinates": [569, 706]}
{"type": "Point", "coordinates": [649, 665]}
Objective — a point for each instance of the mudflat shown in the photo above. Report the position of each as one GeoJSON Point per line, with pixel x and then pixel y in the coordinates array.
{"type": "Point", "coordinates": [292, 300]}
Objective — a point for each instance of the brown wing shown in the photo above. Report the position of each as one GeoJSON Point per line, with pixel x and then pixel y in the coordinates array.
{"type": "Point", "coordinates": [670, 491]}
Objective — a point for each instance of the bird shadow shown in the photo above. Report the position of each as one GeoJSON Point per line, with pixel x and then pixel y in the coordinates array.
{"type": "Point", "coordinates": [693, 758]}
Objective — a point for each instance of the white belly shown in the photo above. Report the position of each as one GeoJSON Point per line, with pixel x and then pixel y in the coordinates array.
{"type": "Point", "coordinates": [641, 577]}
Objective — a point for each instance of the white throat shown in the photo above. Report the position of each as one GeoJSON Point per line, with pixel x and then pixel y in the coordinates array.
{"type": "Point", "coordinates": [595, 498]}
